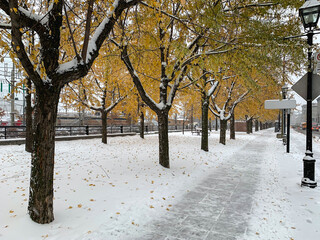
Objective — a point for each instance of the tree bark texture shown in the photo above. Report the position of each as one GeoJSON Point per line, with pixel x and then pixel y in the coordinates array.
{"type": "Point", "coordinates": [29, 134]}
{"type": "Point", "coordinates": [223, 129]}
{"type": "Point", "coordinates": [256, 124]}
{"type": "Point", "coordinates": [216, 125]}
{"type": "Point", "coordinates": [104, 127]}
{"type": "Point", "coordinates": [42, 159]}
{"type": "Point", "coordinates": [142, 125]}
{"type": "Point", "coordinates": [232, 128]}
{"type": "Point", "coordinates": [204, 124]}
{"type": "Point", "coordinates": [163, 139]}
{"type": "Point", "coordinates": [248, 126]}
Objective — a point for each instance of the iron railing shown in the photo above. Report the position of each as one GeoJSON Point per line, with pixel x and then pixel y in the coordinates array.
{"type": "Point", "coordinates": [7, 132]}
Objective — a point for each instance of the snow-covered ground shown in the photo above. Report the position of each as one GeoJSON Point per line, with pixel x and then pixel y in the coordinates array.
{"type": "Point", "coordinates": [120, 186]}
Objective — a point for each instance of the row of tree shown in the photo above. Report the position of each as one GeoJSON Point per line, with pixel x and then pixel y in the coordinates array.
{"type": "Point", "coordinates": [164, 53]}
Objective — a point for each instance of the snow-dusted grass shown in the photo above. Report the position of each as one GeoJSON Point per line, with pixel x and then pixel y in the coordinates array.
{"type": "Point", "coordinates": [120, 186]}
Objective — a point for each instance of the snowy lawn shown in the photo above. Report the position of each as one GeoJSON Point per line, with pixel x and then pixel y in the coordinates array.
{"type": "Point", "coordinates": [121, 186]}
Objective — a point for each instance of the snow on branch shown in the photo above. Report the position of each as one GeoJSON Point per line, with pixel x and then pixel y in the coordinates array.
{"type": "Point", "coordinates": [145, 97]}
{"type": "Point", "coordinates": [105, 27]}
{"type": "Point", "coordinates": [5, 25]}
{"type": "Point", "coordinates": [78, 68]}
{"type": "Point", "coordinates": [213, 88]}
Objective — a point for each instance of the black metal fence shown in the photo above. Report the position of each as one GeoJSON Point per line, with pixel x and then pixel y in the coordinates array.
{"type": "Point", "coordinates": [7, 132]}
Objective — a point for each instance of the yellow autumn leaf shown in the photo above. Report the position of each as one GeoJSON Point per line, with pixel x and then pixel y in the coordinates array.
{"type": "Point", "coordinates": [14, 10]}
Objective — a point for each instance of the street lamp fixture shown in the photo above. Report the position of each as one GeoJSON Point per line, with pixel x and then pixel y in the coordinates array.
{"type": "Point", "coordinates": [309, 13]}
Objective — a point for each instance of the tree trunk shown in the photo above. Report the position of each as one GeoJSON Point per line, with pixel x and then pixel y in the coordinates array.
{"type": "Point", "coordinates": [232, 128]}
{"type": "Point", "coordinates": [42, 158]}
{"type": "Point", "coordinates": [191, 118]}
{"type": "Point", "coordinates": [223, 129]}
{"type": "Point", "coordinates": [142, 125]}
{"type": "Point", "coordinates": [163, 139]}
{"type": "Point", "coordinates": [104, 127]}
{"type": "Point", "coordinates": [248, 126]}
{"type": "Point", "coordinates": [29, 140]}
{"type": "Point", "coordinates": [204, 124]}
{"type": "Point", "coordinates": [216, 124]}
{"type": "Point", "coordinates": [256, 125]}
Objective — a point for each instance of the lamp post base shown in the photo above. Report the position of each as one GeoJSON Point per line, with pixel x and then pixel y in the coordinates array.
{"type": "Point", "coordinates": [308, 179]}
{"type": "Point", "coordinates": [306, 182]}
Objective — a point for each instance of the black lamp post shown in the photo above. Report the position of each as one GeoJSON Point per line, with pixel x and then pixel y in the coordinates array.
{"type": "Point", "coordinates": [309, 14]}
{"type": "Point", "coordinates": [284, 91]}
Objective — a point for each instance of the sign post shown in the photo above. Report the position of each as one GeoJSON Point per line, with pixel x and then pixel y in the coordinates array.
{"type": "Point", "coordinates": [282, 104]}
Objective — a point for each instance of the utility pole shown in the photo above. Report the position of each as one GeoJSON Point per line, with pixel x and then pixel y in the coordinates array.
{"type": "Point", "coordinates": [12, 95]}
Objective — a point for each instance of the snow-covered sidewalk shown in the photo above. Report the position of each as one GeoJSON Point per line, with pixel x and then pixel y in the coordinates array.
{"type": "Point", "coordinates": [248, 189]}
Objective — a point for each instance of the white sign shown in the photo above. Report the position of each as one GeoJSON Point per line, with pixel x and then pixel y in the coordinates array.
{"type": "Point", "coordinates": [280, 104]}
{"type": "Point", "coordinates": [316, 60]}
{"type": "Point", "coordinates": [317, 57]}
{"type": "Point", "coordinates": [300, 86]}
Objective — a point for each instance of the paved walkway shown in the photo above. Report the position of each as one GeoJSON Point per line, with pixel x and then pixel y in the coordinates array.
{"type": "Point", "coordinates": [219, 207]}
